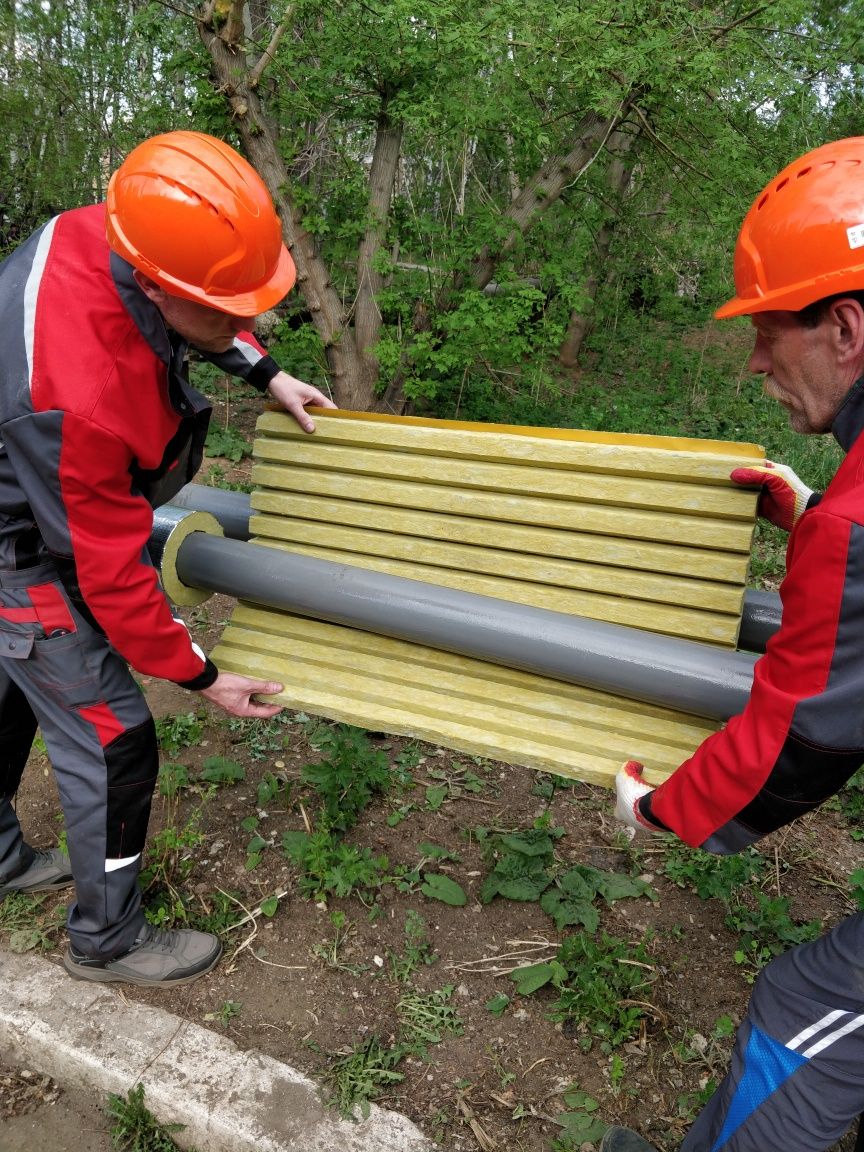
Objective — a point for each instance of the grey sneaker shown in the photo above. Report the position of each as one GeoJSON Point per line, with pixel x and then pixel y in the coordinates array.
{"type": "Point", "coordinates": [50, 869]}
{"type": "Point", "coordinates": [617, 1139]}
{"type": "Point", "coordinates": [156, 957]}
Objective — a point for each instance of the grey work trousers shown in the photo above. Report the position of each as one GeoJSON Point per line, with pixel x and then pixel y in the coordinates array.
{"type": "Point", "coordinates": [796, 1081]}
{"type": "Point", "coordinates": [59, 672]}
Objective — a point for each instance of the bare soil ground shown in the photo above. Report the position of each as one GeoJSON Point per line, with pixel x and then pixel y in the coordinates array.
{"type": "Point", "coordinates": [320, 978]}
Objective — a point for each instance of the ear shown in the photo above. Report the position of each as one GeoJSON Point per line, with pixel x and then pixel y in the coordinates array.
{"type": "Point", "coordinates": [846, 317]}
{"type": "Point", "coordinates": [149, 287]}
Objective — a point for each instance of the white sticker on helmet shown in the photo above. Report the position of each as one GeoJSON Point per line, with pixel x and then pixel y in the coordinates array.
{"type": "Point", "coordinates": [855, 235]}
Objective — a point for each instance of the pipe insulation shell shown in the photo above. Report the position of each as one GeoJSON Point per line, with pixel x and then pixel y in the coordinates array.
{"type": "Point", "coordinates": [680, 674]}
{"type": "Point", "coordinates": [171, 526]}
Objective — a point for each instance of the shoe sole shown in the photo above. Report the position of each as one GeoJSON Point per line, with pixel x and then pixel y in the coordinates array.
{"type": "Point", "coordinates": [106, 976]}
{"type": "Point", "coordinates": [55, 887]}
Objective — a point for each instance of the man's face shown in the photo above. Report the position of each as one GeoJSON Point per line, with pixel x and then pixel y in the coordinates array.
{"type": "Point", "coordinates": [203, 327]}
{"type": "Point", "coordinates": [800, 369]}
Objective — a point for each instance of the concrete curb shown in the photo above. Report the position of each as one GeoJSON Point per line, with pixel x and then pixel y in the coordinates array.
{"type": "Point", "coordinates": [86, 1036]}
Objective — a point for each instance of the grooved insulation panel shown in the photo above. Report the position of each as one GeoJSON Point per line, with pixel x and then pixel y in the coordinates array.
{"type": "Point", "coordinates": [637, 530]}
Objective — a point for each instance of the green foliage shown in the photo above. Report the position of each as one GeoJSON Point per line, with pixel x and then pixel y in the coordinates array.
{"type": "Point", "coordinates": [856, 886]}
{"type": "Point", "coordinates": [226, 1012]}
{"type": "Point", "coordinates": [579, 1124]}
{"type": "Point", "coordinates": [216, 478]}
{"type": "Point", "coordinates": [179, 731]}
{"type": "Point", "coordinates": [601, 985]}
{"type": "Point", "coordinates": [28, 924]}
{"type": "Point", "coordinates": [350, 773]}
{"type": "Point", "coordinates": [228, 443]}
{"type": "Point", "coordinates": [571, 900]}
{"type": "Point", "coordinates": [498, 1005]}
{"type": "Point", "coordinates": [254, 852]}
{"type": "Point", "coordinates": [710, 876]}
{"type": "Point", "coordinates": [522, 864]}
{"type": "Point", "coordinates": [219, 770]}
{"type": "Point", "coordinates": [766, 930]}
{"type": "Point", "coordinates": [417, 951]}
{"type": "Point", "coordinates": [299, 347]}
{"type": "Point", "coordinates": [437, 886]}
{"type": "Point", "coordinates": [135, 1128]}
{"type": "Point", "coordinates": [476, 115]}
{"type": "Point", "coordinates": [172, 779]}
{"type": "Point", "coordinates": [331, 867]}
{"type": "Point", "coordinates": [849, 801]}
{"type": "Point", "coordinates": [359, 1075]}
{"type": "Point", "coordinates": [219, 915]}
{"type": "Point", "coordinates": [168, 860]}
{"type": "Point", "coordinates": [273, 789]}
{"type": "Point", "coordinates": [525, 869]}
{"type": "Point", "coordinates": [331, 951]}
{"type": "Point", "coordinates": [427, 1019]}
{"type": "Point", "coordinates": [262, 737]}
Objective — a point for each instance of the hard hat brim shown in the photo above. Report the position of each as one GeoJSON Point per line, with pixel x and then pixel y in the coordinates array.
{"type": "Point", "coordinates": [256, 301]}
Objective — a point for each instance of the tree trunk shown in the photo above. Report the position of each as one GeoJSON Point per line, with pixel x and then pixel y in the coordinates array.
{"type": "Point", "coordinates": [382, 178]}
{"type": "Point", "coordinates": [618, 176]}
{"type": "Point", "coordinates": [351, 386]}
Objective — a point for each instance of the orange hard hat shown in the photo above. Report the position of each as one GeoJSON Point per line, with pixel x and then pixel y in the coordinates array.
{"type": "Point", "coordinates": [189, 212]}
{"type": "Point", "coordinates": [803, 238]}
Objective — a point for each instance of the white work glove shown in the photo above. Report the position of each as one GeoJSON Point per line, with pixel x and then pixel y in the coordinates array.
{"type": "Point", "coordinates": [784, 495]}
{"type": "Point", "coordinates": [630, 788]}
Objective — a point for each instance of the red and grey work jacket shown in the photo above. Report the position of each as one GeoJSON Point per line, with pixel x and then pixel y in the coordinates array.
{"type": "Point", "coordinates": [98, 425]}
{"type": "Point", "coordinates": [801, 735]}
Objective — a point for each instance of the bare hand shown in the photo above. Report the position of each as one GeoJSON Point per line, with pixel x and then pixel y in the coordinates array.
{"type": "Point", "coordinates": [235, 694]}
{"type": "Point", "coordinates": [293, 395]}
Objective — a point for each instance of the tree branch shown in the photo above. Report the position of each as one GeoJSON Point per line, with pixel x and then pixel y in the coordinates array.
{"type": "Point", "coordinates": [270, 51]}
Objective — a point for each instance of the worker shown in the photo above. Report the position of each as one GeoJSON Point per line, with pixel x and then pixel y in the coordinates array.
{"type": "Point", "coordinates": [99, 424]}
{"type": "Point", "coordinates": [796, 1080]}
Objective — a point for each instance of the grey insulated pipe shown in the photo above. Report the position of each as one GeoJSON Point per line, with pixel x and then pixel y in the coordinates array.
{"type": "Point", "coordinates": [681, 674]}
{"type": "Point", "coordinates": [760, 616]}
{"type": "Point", "coordinates": [760, 619]}
{"type": "Point", "coordinates": [231, 509]}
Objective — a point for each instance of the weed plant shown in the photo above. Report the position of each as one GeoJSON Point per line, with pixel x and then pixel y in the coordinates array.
{"type": "Point", "coordinates": [331, 950]}
{"type": "Point", "coordinates": [350, 773]}
{"type": "Point", "coordinates": [179, 731]}
{"type": "Point", "coordinates": [136, 1129]}
{"type": "Point", "coordinates": [427, 1019]}
{"type": "Point", "coordinates": [709, 876]}
{"type": "Point", "coordinates": [849, 801]}
{"type": "Point", "coordinates": [262, 738]}
{"type": "Point", "coordinates": [579, 1124]}
{"type": "Point", "coordinates": [31, 923]}
{"type": "Point", "coordinates": [228, 443]}
{"type": "Point", "coordinates": [360, 1074]}
{"type": "Point", "coordinates": [417, 951]}
{"type": "Point", "coordinates": [525, 869]}
{"type": "Point", "coordinates": [216, 477]}
{"type": "Point", "coordinates": [329, 867]}
{"type": "Point", "coordinates": [602, 985]}
{"type": "Point", "coordinates": [347, 777]}
{"type": "Point", "coordinates": [766, 929]}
